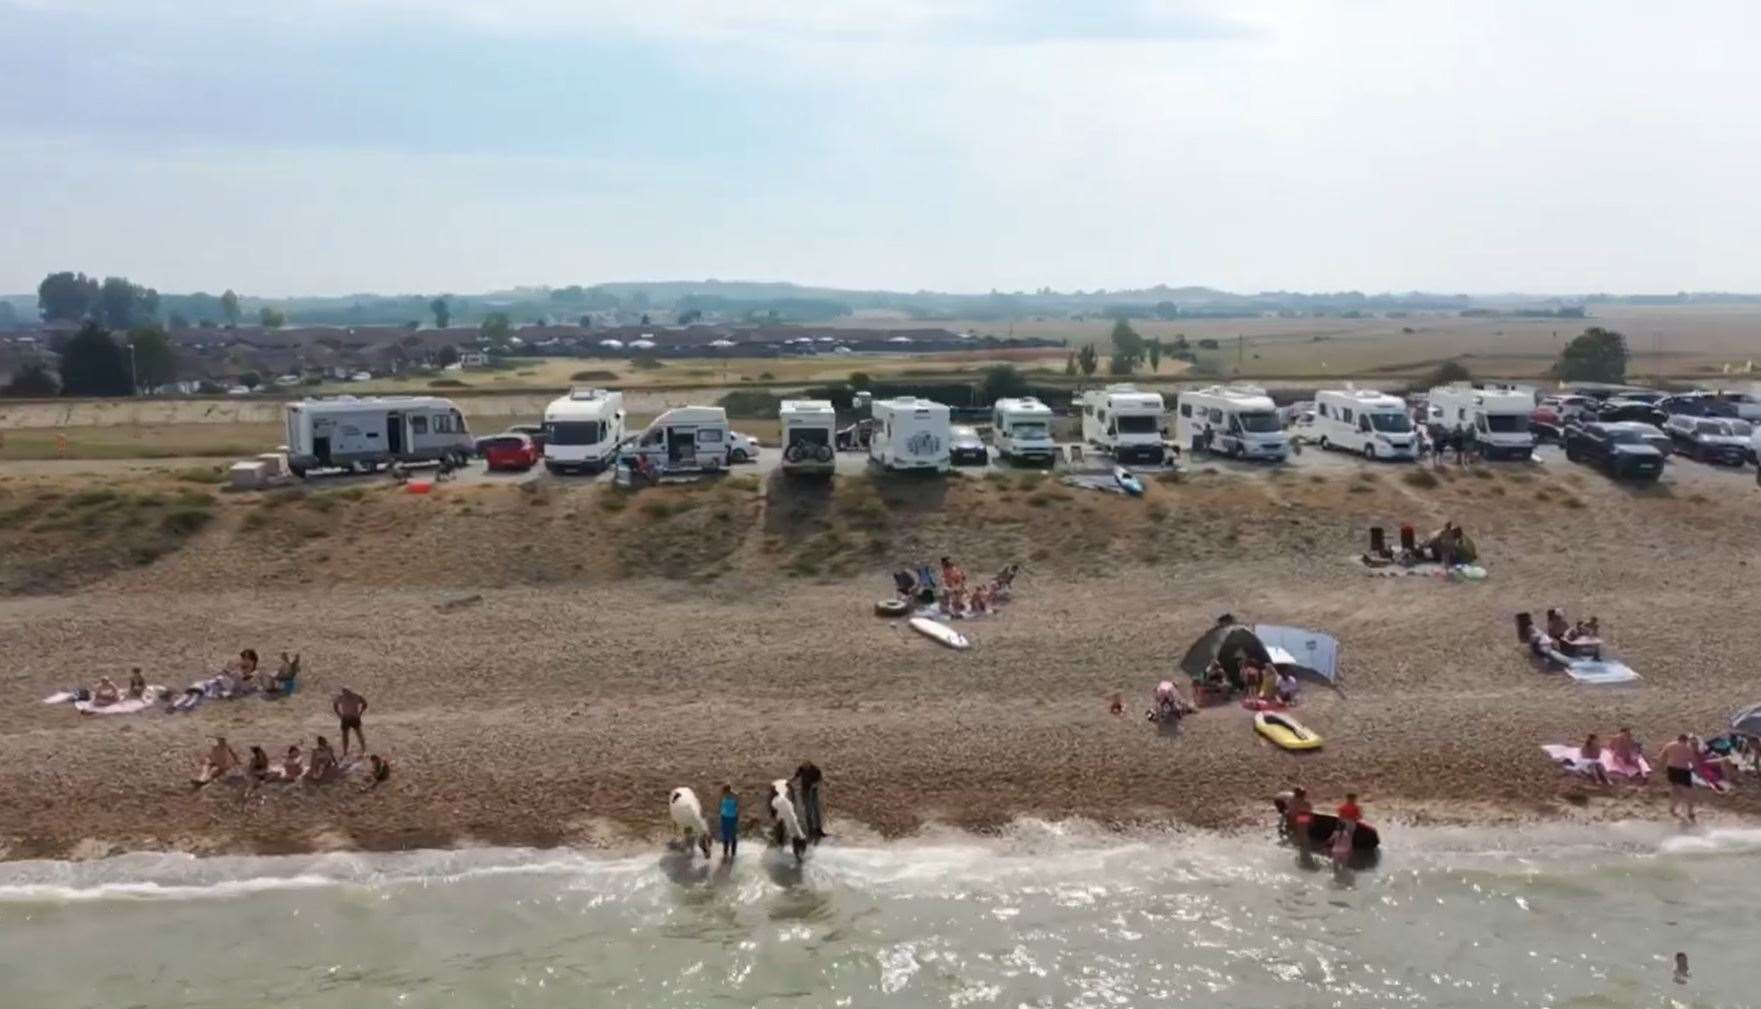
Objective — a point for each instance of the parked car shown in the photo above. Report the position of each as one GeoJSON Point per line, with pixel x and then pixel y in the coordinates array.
{"type": "Point", "coordinates": [1552, 413]}
{"type": "Point", "coordinates": [966, 448]}
{"type": "Point", "coordinates": [510, 451]}
{"type": "Point", "coordinates": [536, 432]}
{"type": "Point", "coordinates": [1711, 439]}
{"type": "Point", "coordinates": [1619, 449]}
{"type": "Point", "coordinates": [742, 447]}
{"type": "Point", "coordinates": [1617, 410]}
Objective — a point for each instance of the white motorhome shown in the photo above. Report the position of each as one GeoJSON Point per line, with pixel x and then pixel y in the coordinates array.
{"type": "Point", "coordinates": [368, 432]}
{"type": "Point", "coordinates": [685, 439]}
{"type": "Point", "coordinates": [1497, 414]}
{"type": "Point", "coordinates": [1023, 430]}
{"type": "Point", "coordinates": [1240, 420]}
{"type": "Point", "coordinates": [1373, 424]}
{"type": "Point", "coordinates": [809, 432]}
{"type": "Point", "coordinates": [1125, 422]}
{"type": "Point", "coordinates": [582, 430]}
{"type": "Point", "coordinates": [910, 433]}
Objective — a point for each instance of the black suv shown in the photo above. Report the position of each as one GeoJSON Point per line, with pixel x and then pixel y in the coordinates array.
{"type": "Point", "coordinates": [1620, 450]}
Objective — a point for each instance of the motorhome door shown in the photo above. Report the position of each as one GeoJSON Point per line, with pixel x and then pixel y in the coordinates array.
{"type": "Point", "coordinates": [681, 446]}
{"type": "Point", "coordinates": [394, 433]}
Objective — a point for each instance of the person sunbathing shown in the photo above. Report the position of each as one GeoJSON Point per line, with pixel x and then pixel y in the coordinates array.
{"type": "Point", "coordinates": [137, 684]}
{"type": "Point", "coordinates": [1170, 706]}
{"type": "Point", "coordinates": [981, 600]}
{"type": "Point", "coordinates": [380, 770]}
{"type": "Point", "coordinates": [1591, 754]}
{"type": "Point", "coordinates": [292, 765]}
{"type": "Point", "coordinates": [258, 769]}
{"type": "Point", "coordinates": [285, 676]}
{"type": "Point", "coordinates": [323, 762]}
{"type": "Point", "coordinates": [1286, 687]}
{"type": "Point", "coordinates": [1626, 751]}
{"type": "Point", "coordinates": [1251, 677]}
{"type": "Point", "coordinates": [1557, 627]}
{"type": "Point", "coordinates": [219, 759]}
{"type": "Point", "coordinates": [105, 693]}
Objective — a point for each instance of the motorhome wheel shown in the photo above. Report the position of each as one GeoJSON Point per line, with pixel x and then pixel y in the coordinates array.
{"type": "Point", "coordinates": [1370, 452]}
{"type": "Point", "coordinates": [1323, 442]}
{"type": "Point", "coordinates": [737, 455]}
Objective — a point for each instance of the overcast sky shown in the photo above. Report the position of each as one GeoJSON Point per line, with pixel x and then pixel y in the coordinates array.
{"type": "Point", "coordinates": [330, 146]}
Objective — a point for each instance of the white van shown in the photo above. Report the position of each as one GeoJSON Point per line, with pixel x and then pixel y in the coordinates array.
{"type": "Point", "coordinates": [1498, 415]}
{"type": "Point", "coordinates": [369, 432]}
{"type": "Point", "coordinates": [1125, 422]}
{"type": "Point", "coordinates": [810, 431]}
{"type": "Point", "coordinates": [1373, 424]}
{"type": "Point", "coordinates": [582, 430]}
{"type": "Point", "coordinates": [910, 433]}
{"type": "Point", "coordinates": [685, 439]}
{"type": "Point", "coordinates": [1242, 421]}
{"type": "Point", "coordinates": [1023, 430]}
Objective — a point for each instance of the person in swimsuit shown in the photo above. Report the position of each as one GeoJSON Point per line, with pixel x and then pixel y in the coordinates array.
{"type": "Point", "coordinates": [349, 707]}
{"type": "Point", "coordinates": [730, 822]}
{"type": "Point", "coordinates": [1296, 815]}
{"type": "Point", "coordinates": [137, 684]}
{"type": "Point", "coordinates": [1678, 766]}
{"type": "Point", "coordinates": [219, 759]}
{"type": "Point", "coordinates": [105, 693]}
{"type": "Point", "coordinates": [1626, 751]}
{"type": "Point", "coordinates": [1349, 809]}
{"type": "Point", "coordinates": [258, 769]}
{"type": "Point", "coordinates": [323, 761]}
{"type": "Point", "coordinates": [292, 765]}
{"type": "Point", "coordinates": [1557, 628]}
{"type": "Point", "coordinates": [379, 769]}
{"type": "Point", "coordinates": [1591, 752]}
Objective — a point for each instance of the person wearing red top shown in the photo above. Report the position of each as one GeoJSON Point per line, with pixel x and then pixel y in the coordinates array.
{"type": "Point", "coordinates": [1348, 810]}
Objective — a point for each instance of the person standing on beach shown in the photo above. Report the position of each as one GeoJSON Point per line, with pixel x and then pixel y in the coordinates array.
{"type": "Point", "coordinates": [730, 809]}
{"type": "Point", "coordinates": [1349, 809]}
{"type": "Point", "coordinates": [349, 707]}
{"type": "Point", "coordinates": [1678, 766]}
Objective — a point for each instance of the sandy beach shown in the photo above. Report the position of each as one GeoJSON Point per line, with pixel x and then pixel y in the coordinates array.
{"type": "Point", "coordinates": [692, 636]}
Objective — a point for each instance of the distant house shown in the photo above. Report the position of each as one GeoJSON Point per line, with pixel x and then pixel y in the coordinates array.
{"type": "Point", "coordinates": [473, 359]}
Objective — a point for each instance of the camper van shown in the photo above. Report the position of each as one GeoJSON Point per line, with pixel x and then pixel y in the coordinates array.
{"type": "Point", "coordinates": [809, 429]}
{"type": "Point", "coordinates": [1241, 420]}
{"type": "Point", "coordinates": [582, 430]}
{"type": "Point", "coordinates": [1124, 422]}
{"type": "Point", "coordinates": [1365, 421]}
{"type": "Point", "coordinates": [909, 434]}
{"type": "Point", "coordinates": [369, 432]}
{"type": "Point", "coordinates": [1498, 415]}
{"type": "Point", "coordinates": [685, 439]}
{"type": "Point", "coordinates": [1023, 430]}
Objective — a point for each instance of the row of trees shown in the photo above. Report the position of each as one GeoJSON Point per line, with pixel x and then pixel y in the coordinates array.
{"type": "Point", "coordinates": [95, 363]}
{"type": "Point", "coordinates": [122, 304]}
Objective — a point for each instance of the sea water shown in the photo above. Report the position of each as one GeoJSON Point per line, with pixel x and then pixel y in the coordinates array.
{"type": "Point", "coordinates": [1044, 915]}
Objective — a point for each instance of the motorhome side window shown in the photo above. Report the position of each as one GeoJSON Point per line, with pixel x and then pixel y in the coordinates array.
{"type": "Point", "coordinates": [1363, 422]}
{"type": "Point", "coordinates": [653, 437]}
{"type": "Point", "coordinates": [1186, 409]}
{"type": "Point", "coordinates": [1345, 414]}
{"type": "Point", "coordinates": [418, 425]}
{"type": "Point", "coordinates": [443, 425]}
{"type": "Point", "coordinates": [709, 434]}
{"type": "Point", "coordinates": [1216, 415]}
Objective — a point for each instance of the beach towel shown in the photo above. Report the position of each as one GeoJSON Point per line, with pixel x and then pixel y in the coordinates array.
{"type": "Point", "coordinates": [1599, 672]}
{"type": "Point", "coordinates": [1572, 759]}
{"type": "Point", "coordinates": [63, 696]}
{"type": "Point", "coordinates": [126, 706]}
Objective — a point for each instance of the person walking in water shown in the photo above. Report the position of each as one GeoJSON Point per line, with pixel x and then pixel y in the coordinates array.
{"type": "Point", "coordinates": [807, 779]}
{"type": "Point", "coordinates": [730, 825]}
{"type": "Point", "coordinates": [349, 707]}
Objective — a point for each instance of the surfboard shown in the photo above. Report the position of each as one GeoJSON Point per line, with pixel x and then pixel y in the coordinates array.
{"type": "Point", "coordinates": [939, 632]}
{"type": "Point", "coordinates": [1128, 481]}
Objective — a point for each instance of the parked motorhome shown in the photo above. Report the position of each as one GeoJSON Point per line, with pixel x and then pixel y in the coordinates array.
{"type": "Point", "coordinates": [1498, 416]}
{"type": "Point", "coordinates": [1238, 420]}
{"type": "Point", "coordinates": [1022, 429]}
{"type": "Point", "coordinates": [809, 430]}
{"type": "Point", "coordinates": [685, 439]}
{"type": "Point", "coordinates": [1370, 423]}
{"type": "Point", "coordinates": [1125, 422]}
{"type": "Point", "coordinates": [582, 430]}
{"type": "Point", "coordinates": [910, 433]}
{"type": "Point", "coordinates": [368, 432]}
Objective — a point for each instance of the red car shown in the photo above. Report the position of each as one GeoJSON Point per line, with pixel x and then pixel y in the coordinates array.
{"type": "Point", "coordinates": [510, 451]}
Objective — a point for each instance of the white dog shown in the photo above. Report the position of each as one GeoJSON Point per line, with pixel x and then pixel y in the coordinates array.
{"type": "Point", "coordinates": [688, 814]}
{"type": "Point", "coordinates": [788, 824]}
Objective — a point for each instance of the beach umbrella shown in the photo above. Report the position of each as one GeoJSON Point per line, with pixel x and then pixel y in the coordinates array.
{"type": "Point", "coordinates": [1305, 654]}
{"type": "Point", "coordinates": [1228, 644]}
{"type": "Point", "coordinates": [1747, 721]}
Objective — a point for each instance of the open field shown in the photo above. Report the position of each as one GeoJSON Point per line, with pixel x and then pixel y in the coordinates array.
{"type": "Point", "coordinates": [545, 660]}
{"type": "Point", "coordinates": [1686, 342]}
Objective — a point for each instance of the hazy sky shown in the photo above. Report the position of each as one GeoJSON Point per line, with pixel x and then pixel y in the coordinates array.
{"type": "Point", "coordinates": [328, 146]}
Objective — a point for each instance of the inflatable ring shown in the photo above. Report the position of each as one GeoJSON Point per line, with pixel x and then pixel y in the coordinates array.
{"type": "Point", "coordinates": [891, 608]}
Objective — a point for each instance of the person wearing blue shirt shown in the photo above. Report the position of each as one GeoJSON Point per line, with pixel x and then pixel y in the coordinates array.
{"type": "Point", "coordinates": [730, 808]}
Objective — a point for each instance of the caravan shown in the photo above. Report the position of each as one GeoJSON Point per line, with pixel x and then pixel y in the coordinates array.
{"type": "Point", "coordinates": [1023, 430]}
{"type": "Point", "coordinates": [1497, 414]}
{"type": "Point", "coordinates": [1365, 421]}
{"type": "Point", "coordinates": [910, 434]}
{"type": "Point", "coordinates": [582, 430]}
{"type": "Point", "coordinates": [1239, 420]}
{"type": "Point", "coordinates": [685, 439]}
{"type": "Point", "coordinates": [809, 427]}
{"type": "Point", "coordinates": [1124, 422]}
{"type": "Point", "coordinates": [370, 432]}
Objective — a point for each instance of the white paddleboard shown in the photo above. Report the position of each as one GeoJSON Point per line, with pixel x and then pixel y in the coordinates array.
{"type": "Point", "coordinates": [939, 632]}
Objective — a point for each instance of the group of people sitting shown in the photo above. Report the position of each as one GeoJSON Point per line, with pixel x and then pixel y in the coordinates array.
{"type": "Point", "coordinates": [105, 692]}
{"type": "Point", "coordinates": [1560, 637]}
{"type": "Point", "coordinates": [241, 676]}
{"type": "Point", "coordinates": [1266, 684]}
{"type": "Point", "coordinates": [951, 593]}
{"type": "Point", "coordinates": [319, 766]}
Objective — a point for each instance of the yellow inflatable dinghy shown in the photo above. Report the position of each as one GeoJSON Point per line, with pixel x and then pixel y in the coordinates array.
{"type": "Point", "coordinates": [1285, 731]}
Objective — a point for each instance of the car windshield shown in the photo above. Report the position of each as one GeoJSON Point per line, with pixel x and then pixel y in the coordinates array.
{"type": "Point", "coordinates": [507, 443]}
{"type": "Point", "coordinates": [1506, 423]}
{"type": "Point", "coordinates": [1028, 429]}
{"type": "Point", "coordinates": [1259, 421]}
{"type": "Point", "coordinates": [1709, 427]}
{"type": "Point", "coordinates": [575, 432]}
{"type": "Point", "coordinates": [1391, 423]}
{"type": "Point", "coordinates": [1137, 424]}
{"type": "Point", "coordinates": [1741, 428]}
{"type": "Point", "coordinates": [1625, 438]}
